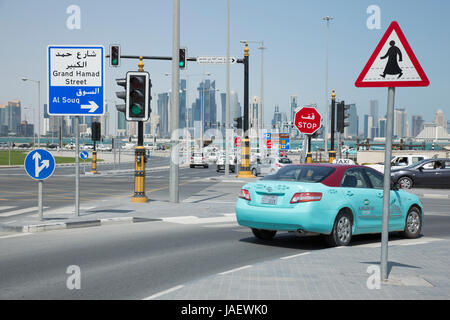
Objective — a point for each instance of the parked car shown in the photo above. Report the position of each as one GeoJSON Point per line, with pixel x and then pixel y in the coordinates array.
{"type": "Point", "coordinates": [24, 145]}
{"type": "Point", "coordinates": [70, 146]}
{"type": "Point", "coordinates": [198, 159]}
{"type": "Point", "coordinates": [212, 157]}
{"type": "Point", "coordinates": [88, 147]}
{"type": "Point", "coordinates": [400, 161]}
{"type": "Point", "coordinates": [52, 146]}
{"type": "Point", "coordinates": [434, 173]}
{"type": "Point", "coordinates": [268, 165]}
{"type": "Point", "coordinates": [337, 201]}
{"type": "Point", "coordinates": [102, 147]}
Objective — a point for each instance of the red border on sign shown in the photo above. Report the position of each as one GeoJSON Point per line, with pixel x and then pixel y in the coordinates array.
{"type": "Point", "coordinates": [422, 83]}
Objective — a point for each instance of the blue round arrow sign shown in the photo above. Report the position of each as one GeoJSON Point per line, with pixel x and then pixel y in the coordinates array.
{"type": "Point", "coordinates": [39, 164]}
{"type": "Point", "coordinates": [84, 155]}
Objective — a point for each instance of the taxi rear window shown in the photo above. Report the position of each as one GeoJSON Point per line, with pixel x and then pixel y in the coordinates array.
{"type": "Point", "coordinates": [302, 174]}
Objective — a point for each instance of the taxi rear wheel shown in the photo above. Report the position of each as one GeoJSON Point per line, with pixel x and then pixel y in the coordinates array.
{"type": "Point", "coordinates": [264, 234]}
{"type": "Point", "coordinates": [341, 234]}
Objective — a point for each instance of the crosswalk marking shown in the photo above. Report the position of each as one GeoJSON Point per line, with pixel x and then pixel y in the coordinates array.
{"type": "Point", "coordinates": [3, 208]}
{"type": "Point", "coordinates": [20, 211]}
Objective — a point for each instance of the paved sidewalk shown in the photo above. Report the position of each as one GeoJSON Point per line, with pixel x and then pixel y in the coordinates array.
{"type": "Point", "coordinates": [419, 269]}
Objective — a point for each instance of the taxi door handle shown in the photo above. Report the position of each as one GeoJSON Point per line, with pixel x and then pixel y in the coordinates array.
{"type": "Point", "coordinates": [349, 193]}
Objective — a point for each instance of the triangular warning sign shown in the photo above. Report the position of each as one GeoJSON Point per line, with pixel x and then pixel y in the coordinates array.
{"type": "Point", "coordinates": [393, 63]}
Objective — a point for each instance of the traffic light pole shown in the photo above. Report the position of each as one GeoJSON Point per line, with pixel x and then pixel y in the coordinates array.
{"type": "Point", "coordinates": [139, 172]}
{"type": "Point", "coordinates": [332, 152]}
{"type": "Point", "coordinates": [244, 171]}
{"type": "Point", "coordinates": [309, 154]}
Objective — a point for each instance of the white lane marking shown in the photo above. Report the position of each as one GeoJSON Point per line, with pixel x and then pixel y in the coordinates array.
{"type": "Point", "coordinates": [295, 255]}
{"type": "Point", "coordinates": [3, 208]}
{"type": "Point", "coordinates": [15, 235]}
{"type": "Point", "coordinates": [20, 211]}
{"type": "Point", "coordinates": [437, 214]}
{"type": "Point", "coordinates": [225, 225]}
{"type": "Point", "coordinates": [407, 242]}
{"type": "Point", "coordinates": [197, 220]}
{"type": "Point", "coordinates": [435, 196]}
{"type": "Point", "coordinates": [234, 270]}
{"type": "Point", "coordinates": [159, 294]}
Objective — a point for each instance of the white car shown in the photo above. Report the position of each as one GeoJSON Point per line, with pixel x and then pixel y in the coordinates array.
{"type": "Point", "coordinates": [269, 165]}
{"type": "Point", "coordinates": [88, 147]}
{"type": "Point", "coordinates": [221, 163]}
{"type": "Point", "coordinates": [198, 159]}
{"type": "Point", "coordinates": [212, 157]}
{"type": "Point", "coordinates": [102, 147]}
{"type": "Point", "coordinates": [400, 161]}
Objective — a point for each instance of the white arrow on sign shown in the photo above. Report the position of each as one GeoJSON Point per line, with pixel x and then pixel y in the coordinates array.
{"type": "Point", "coordinates": [92, 105]}
{"type": "Point", "coordinates": [38, 168]}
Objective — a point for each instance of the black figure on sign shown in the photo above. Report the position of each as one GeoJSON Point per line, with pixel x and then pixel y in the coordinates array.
{"type": "Point", "coordinates": [392, 66]}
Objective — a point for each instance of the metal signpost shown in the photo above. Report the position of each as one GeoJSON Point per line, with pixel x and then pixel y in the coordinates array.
{"type": "Point", "coordinates": [75, 88]}
{"type": "Point", "coordinates": [392, 64]}
{"type": "Point", "coordinates": [39, 165]}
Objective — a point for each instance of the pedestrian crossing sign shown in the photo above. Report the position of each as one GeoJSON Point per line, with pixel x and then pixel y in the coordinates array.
{"type": "Point", "coordinates": [393, 63]}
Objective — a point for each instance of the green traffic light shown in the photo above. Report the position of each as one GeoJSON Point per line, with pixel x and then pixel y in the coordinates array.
{"type": "Point", "coordinates": [135, 109]}
{"type": "Point", "coordinates": [114, 62]}
{"type": "Point", "coordinates": [181, 64]}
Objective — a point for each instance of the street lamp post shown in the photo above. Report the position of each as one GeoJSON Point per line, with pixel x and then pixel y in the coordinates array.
{"type": "Point", "coordinates": [327, 19]}
{"type": "Point", "coordinates": [39, 107]}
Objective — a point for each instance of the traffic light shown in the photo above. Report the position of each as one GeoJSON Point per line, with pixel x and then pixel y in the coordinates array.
{"type": "Point", "coordinates": [114, 59]}
{"type": "Point", "coordinates": [182, 58]}
{"type": "Point", "coordinates": [238, 122]}
{"type": "Point", "coordinates": [138, 96]}
{"type": "Point", "coordinates": [342, 115]}
{"type": "Point", "coordinates": [122, 95]}
{"type": "Point", "coordinates": [96, 131]}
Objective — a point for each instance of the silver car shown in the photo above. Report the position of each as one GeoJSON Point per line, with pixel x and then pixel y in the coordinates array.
{"type": "Point", "coordinates": [268, 165]}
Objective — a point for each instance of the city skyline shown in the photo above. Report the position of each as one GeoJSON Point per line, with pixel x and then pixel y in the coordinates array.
{"type": "Point", "coordinates": [290, 69]}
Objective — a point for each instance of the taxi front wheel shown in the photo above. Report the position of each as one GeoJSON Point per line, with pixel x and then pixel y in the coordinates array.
{"type": "Point", "coordinates": [342, 231]}
{"type": "Point", "coordinates": [264, 234]}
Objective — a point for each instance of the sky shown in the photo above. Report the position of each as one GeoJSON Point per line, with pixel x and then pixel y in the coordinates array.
{"type": "Point", "coordinates": [292, 30]}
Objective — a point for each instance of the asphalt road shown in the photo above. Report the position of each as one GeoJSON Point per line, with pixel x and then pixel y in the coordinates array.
{"type": "Point", "coordinates": [141, 259]}
{"type": "Point", "coordinates": [20, 193]}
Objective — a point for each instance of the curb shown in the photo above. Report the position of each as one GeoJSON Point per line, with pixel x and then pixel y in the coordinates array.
{"type": "Point", "coordinates": [73, 225]}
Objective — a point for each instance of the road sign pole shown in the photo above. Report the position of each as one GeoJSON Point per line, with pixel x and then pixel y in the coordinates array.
{"type": "Point", "coordinates": [41, 216]}
{"type": "Point", "coordinates": [387, 183]}
{"type": "Point", "coordinates": [175, 120]}
{"type": "Point", "coordinates": [77, 166]}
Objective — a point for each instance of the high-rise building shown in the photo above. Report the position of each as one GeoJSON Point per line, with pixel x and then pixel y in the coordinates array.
{"type": "Point", "coordinates": [223, 100]}
{"type": "Point", "coordinates": [182, 102]}
{"type": "Point", "coordinates": [374, 114]}
{"type": "Point", "coordinates": [24, 129]}
{"type": "Point", "coordinates": [400, 123]}
{"type": "Point", "coordinates": [253, 112]}
{"type": "Point", "coordinates": [352, 130]}
{"type": "Point", "coordinates": [163, 112]}
{"type": "Point", "coordinates": [416, 125]}
{"type": "Point", "coordinates": [368, 125]}
{"type": "Point", "coordinates": [12, 115]}
{"type": "Point", "coordinates": [439, 119]}
{"type": "Point", "coordinates": [382, 127]}
{"type": "Point", "coordinates": [235, 106]}
{"type": "Point", "coordinates": [206, 102]}
{"type": "Point", "coordinates": [276, 120]}
{"type": "Point", "coordinates": [293, 102]}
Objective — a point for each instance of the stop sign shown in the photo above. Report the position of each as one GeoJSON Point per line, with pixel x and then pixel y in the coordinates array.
{"type": "Point", "coordinates": [237, 142]}
{"type": "Point", "coordinates": [307, 120]}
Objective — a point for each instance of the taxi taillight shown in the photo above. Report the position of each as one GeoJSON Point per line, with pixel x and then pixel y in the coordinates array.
{"type": "Point", "coordinates": [244, 194]}
{"type": "Point", "coordinates": [306, 197]}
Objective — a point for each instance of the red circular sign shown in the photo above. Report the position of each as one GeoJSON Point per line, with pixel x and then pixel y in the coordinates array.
{"type": "Point", "coordinates": [269, 144]}
{"type": "Point", "coordinates": [237, 142]}
{"type": "Point", "coordinates": [307, 120]}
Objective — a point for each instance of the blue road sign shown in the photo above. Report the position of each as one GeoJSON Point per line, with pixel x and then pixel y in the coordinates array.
{"type": "Point", "coordinates": [39, 164]}
{"type": "Point", "coordinates": [284, 144]}
{"type": "Point", "coordinates": [267, 136]}
{"type": "Point", "coordinates": [75, 80]}
{"type": "Point", "coordinates": [84, 155]}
